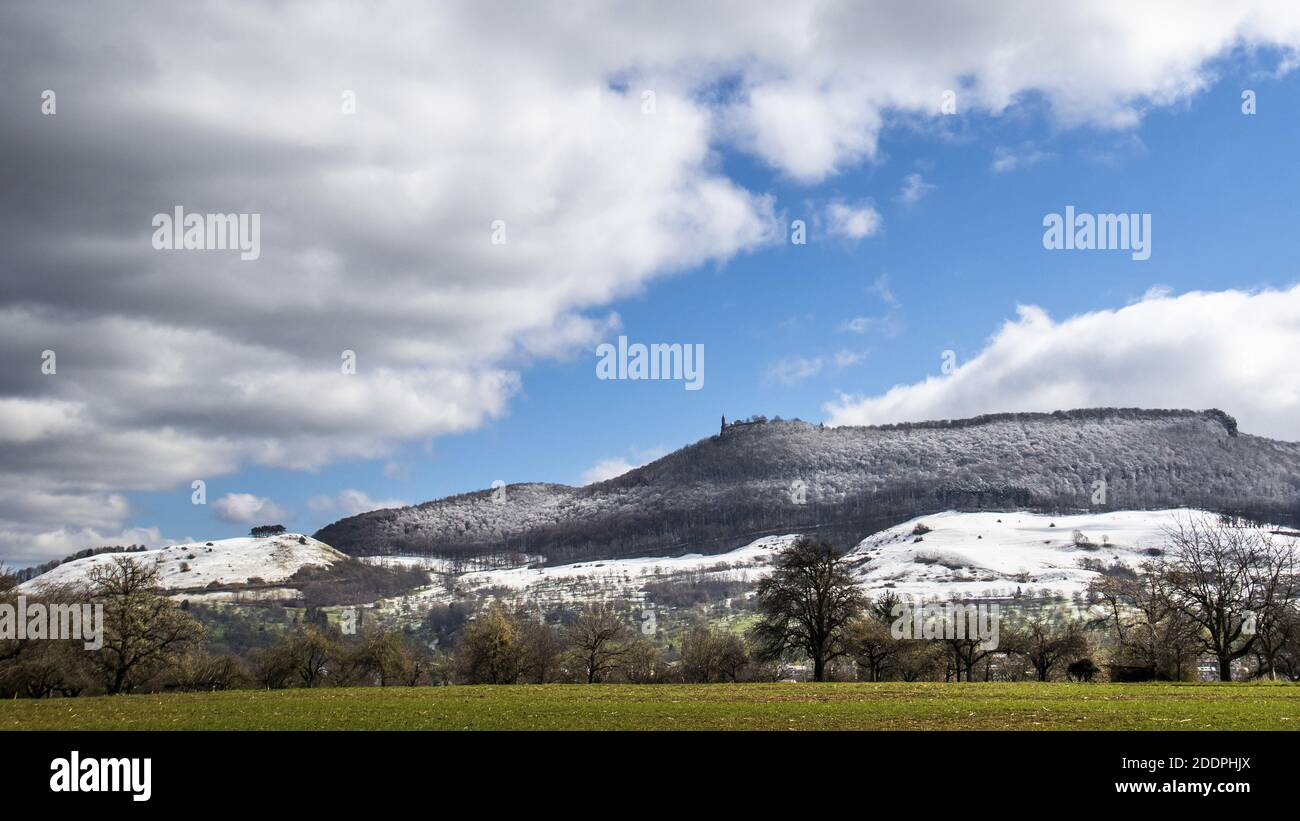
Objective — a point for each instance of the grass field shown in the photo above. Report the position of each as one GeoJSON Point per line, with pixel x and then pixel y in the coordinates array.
{"type": "Point", "coordinates": [888, 706]}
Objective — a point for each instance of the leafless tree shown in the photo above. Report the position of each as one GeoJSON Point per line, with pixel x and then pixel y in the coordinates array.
{"type": "Point", "coordinates": [1046, 645]}
{"type": "Point", "coordinates": [711, 655]}
{"type": "Point", "coordinates": [143, 629]}
{"type": "Point", "coordinates": [1219, 575]}
{"type": "Point", "coordinates": [1277, 588]}
{"type": "Point", "coordinates": [1152, 632]}
{"type": "Point", "coordinates": [597, 636]}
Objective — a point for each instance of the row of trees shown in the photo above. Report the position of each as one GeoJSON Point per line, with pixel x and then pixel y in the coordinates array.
{"type": "Point", "coordinates": [152, 644]}
{"type": "Point", "coordinates": [812, 607]}
{"type": "Point", "coordinates": [595, 646]}
{"type": "Point", "coordinates": [149, 643]}
{"type": "Point", "coordinates": [144, 636]}
{"type": "Point", "coordinates": [1220, 590]}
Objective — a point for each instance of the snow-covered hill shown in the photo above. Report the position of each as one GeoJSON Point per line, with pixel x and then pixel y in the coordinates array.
{"type": "Point", "coordinates": [950, 554]}
{"type": "Point", "coordinates": [978, 554]}
{"type": "Point", "coordinates": [623, 577]}
{"type": "Point", "coordinates": [199, 564]}
{"type": "Point", "coordinates": [776, 477]}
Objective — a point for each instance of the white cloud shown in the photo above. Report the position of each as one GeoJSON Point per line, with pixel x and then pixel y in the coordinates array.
{"type": "Point", "coordinates": [38, 547]}
{"type": "Point", "coordinates": [792, 370]}
{"type": "Point", "coordinates": [852, 222]}
{"type": "Point", "coordinates": [914, 189]}
{"type": "Point", "coordinates": [246, 508]}
{"type": "Point", "coordinates": [890, 323]}
{"type": "Point", "coordinates": [606, 469]}
{"type": "Point", "coordinates": [880, 288]}
{"type": "Point", "coordinates": [618, 465]}
{"type": "Point", "coordinates": [846, 358]}
{"type": "Point", "coordinates": [1230, 349]}
{"type": "Point", "coordinates": [859, 324]}
{"type": "Point", "coordinates": [350, 502]}
{"type": "Point", "coordinates": [1007, 159]}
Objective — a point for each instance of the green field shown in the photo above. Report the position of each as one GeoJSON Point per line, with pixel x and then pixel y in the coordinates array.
{"type": "Point", "coordinates": [888, 706]}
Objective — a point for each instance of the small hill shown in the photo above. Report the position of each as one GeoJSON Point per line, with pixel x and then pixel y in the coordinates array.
{"type": "Point", "coordinates": [202, 564]}
{"type": "Point", "coordinates": [954, 555]}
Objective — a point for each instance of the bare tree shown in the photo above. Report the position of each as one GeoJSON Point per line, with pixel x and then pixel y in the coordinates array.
{"type": "Point", "coordinates": [965, 654]}
{"type": "Point", "coordinates": [917, 660]}
{"type": "Point", "coordinates": [143, 630]}
{"type": "Point", "coordinates": [642, 662]}
{"type": "Point", "coordinates": [710, 656]}
{"type": "Point", "coordinates": [1217, 574]}
{"type": "Point", "coordinates": [200, 671]}
{"type": "Point", "coordinates": [597, 636]}
{"type": "Point", "coordinates": [1046, 645]}
{"type": "Point", "coordinates": [1277, 587]}
{"type": "Point", "coordinates": [1153, 633]}
{"type": "Point", "coordinates": [309, 653]}
{"type": "Point", "coordinates": [806, 604]}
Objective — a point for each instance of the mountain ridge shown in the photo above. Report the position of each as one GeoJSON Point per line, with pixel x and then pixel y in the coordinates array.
{"type": "Point", "coordinates": [746, 481]}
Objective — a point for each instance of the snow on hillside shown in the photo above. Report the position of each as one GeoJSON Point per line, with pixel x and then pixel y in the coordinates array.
{"type": "Point", "coordinates": [989, 553]}
{"type": "Point", "coordinates": [962, 555]}
{"type": "Point", "coordinates": [863, 479]}
{"type": "Point", "coordinates": [198, 564]}
{"type": "Point", "coordinates": [623, 576]}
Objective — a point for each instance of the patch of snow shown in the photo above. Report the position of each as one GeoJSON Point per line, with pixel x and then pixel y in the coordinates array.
{"type": "Point", "coordinates": [981, 554]}
{"type": "Point", "coordinates": [198, 564]}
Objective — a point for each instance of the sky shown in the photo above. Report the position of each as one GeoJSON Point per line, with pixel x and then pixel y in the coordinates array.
{"type": "Point", "coordinates": [468, 201]}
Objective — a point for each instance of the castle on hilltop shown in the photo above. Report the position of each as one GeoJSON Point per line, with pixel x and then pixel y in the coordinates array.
{"type": "Point", "coordinates": [750, 422]}
{"type": "Point", "coordinates": [742, 423]}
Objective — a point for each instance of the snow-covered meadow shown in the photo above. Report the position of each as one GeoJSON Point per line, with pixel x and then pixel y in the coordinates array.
{"type": "Point", "coordinates": [944, 555]}
{"type": "Point", "coordinates": [199, 564]}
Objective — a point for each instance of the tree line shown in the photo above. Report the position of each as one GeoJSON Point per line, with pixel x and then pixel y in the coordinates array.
{"type": "Point", "coordinates": [1221, 591]}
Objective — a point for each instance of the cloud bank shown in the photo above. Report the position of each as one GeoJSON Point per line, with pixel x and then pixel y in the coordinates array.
{"type": "Point", "coordinates": [1232, 350]}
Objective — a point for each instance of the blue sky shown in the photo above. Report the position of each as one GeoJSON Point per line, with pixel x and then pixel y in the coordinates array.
{"type": "Point", "coordinates": [378, 149]}
{"type": "Point", "coordinates": [942, 274]}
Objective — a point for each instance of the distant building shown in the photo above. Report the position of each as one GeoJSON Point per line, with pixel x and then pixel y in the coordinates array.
{"type": "Point", "coordinates": [751, 421]}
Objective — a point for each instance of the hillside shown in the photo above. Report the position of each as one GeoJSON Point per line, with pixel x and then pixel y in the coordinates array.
{"type": "Point", "coordinates": [950, 555]}
{"type": "Point", "coordinates": [201, 564]}
{"type": "Point", "coordinates": [729, 489]}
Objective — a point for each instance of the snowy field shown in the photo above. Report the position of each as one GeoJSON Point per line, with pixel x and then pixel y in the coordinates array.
{"type": "Point", "coordinates": [996, 554]}
{"type": "Point", "coordinates": [198, 564]}
{"type": "Point", "coordinates": [944, 555]}
{"type": "Point", "coordinates": [961, 555]}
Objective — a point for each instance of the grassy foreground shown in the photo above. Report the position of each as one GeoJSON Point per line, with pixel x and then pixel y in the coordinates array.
{"type": "Point", "coordinates": [857, 706]}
